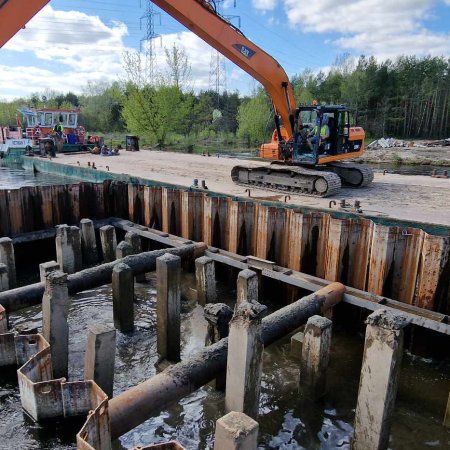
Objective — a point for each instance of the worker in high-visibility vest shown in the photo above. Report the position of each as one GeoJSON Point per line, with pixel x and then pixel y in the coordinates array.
{"type": "Point", "coordinates": [324, 131]}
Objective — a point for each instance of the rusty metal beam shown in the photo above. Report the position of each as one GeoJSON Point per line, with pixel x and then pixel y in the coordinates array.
{"type": "Point", "coordinates": [418, 316]}
{"type": "Point", "coordinates": [134, 406]}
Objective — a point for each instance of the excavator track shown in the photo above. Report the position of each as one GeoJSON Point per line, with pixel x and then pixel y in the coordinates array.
{"type": "Point", "coordinates": [292, 179]}
{"type": "Point", "coordinates": [352, 174]}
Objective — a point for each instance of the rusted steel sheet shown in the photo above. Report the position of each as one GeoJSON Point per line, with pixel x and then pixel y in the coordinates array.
{"type": "Point", "coordinates": [322, 243]}
{"type": "Point", "coordinates": [433, 277]}
{"type": "Point", "coordinates": [3, 320]}
{"type": "Point", "coordinates": [15, 211]}
{"type": "Point", "coordinates": [381, 257]}
{"type": "Point", "coordinates": [360, 238]}
{"type": "Point", "coordinates": [240, 227]}
{"type": "Point", "coordinates": [78, 398]}
{"type": "Point", "coordinates": [95, 433]}
{"type": "Point", "coordinates": [192, 215]}
{"type": "Point", "coordinates": [47, 206]}
{"type": "Point", "coordinates": [336, 249]}
{"type": "Point", "coordinates": [215, 221]}
{"type": "Point", "coordinates": [7, 350]}
{"type": "Point", "coordinates": [408, 250]}
{"type": "Point", "coordinates": [171, 216]}
{"type": "Point", "coordinates": [28, 345]}
{"type": "Point", "coordinates": [4, 216]}
{"type": "Point", "coordinates": [39, 393]}
{"type": "Point", "coordinates": [153, 207]}
{"type": "Point", "coordinates": [268, 238]}
{"type": "Point", "coordinates": [136, 203]}
{"type": "Point", "coordinates": [294, 239]}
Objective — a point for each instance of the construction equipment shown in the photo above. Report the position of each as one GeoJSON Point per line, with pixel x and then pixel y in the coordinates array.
{"type": "Point", "coordinates": [309, 161]}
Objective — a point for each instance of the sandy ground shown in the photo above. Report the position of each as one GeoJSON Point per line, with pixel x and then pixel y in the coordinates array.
{"type": "Point", "coordinates": [418, 198]}
{"type": "Point", "coordinates": [409, 155]}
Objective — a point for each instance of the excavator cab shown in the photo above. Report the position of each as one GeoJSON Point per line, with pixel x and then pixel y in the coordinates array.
{"type": "Point", "coordinates": [324, 132]}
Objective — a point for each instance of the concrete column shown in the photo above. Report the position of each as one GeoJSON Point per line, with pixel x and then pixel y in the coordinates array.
{"type": "Point", "coordinates": [447, 414]}
{"type": "Point", "coordinates": [315, 357]}
{"type": "Point", "coordinates": [3, 320]}
{"type": "Point", "coordinates": [168, 304]}
{"type": "Point", "coordinates": [123, 249]}
{"type": "Point", "coordinates": [297, 345]}
{"type": "Point", "coordinates": [123, 297]}
{"type": "Point", "coordinates": [4, 278]}
{"type": "Point", "coordinates": [109, 242]}
{"type": "Point", "coordinates": [205, 275]}
{"type": "Point", "coordinates": [46, 268]}
{"type": "Point", "coordinates": [68, 248]}
{"type": "Point", "coordinates": [218, 316]}
{"type": "Point", "coordinates": [236, 431]}
{"type": "Point", "coordinates": [378, 383]}
{"type": "Point", "coordinates": [55, 309]}
{"type": "Point", "coordinates": [247, 287]}
{"type": "Point", "coordinates": [100, 356]}
{"type": "Point", "coordinates": [88, 242]}
{"type": "Point", "coordinates": [244, 360]}
{"type": "Point", "coordinates": [135, 241]}
{"type": "Point", "coordinates": [7, 257]}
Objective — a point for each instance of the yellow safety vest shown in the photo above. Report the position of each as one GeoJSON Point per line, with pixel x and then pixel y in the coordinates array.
{"type": "Point", "coordinates": [323, 130]}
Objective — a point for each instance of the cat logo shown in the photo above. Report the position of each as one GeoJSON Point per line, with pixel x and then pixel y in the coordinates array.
{"type": "Point", "coordinates": [244, 50]}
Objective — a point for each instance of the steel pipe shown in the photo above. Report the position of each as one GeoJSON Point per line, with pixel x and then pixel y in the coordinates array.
{"type": "Point", "coordinates": [26, 296]}
{"type": "Point", "coordinates": [136, 405]}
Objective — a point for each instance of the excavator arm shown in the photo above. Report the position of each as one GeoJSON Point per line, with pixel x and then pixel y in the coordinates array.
{"type": "Point", "coordinates": [14, 15]}
{"type": "Point", "coordinates": [200, 17]}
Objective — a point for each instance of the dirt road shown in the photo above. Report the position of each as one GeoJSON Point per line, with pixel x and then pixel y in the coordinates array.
{"type": "Point", "coordinates": [418, 198]}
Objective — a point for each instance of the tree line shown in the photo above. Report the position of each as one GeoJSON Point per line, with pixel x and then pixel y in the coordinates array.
{"type": "Point", "coordinates": [406, 98]}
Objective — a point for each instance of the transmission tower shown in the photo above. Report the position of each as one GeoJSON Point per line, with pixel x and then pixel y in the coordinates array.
{"type": "Point", "coordinates": [217, 69]}
{"type": "Point", "coordinates": [148, 41]}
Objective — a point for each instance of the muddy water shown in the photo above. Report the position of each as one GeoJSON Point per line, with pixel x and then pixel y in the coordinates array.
{"type": "Point", "coordinates": [286, 421]}
{"type": "Point", "coordinates": [14, 177]}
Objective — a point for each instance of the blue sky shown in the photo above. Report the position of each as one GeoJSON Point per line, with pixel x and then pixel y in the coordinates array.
{"type": "Point", "coordinates": [73, 42]}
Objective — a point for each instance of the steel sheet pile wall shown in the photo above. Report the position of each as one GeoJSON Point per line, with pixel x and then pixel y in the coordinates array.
{"type": "Point", "coordinates": [384, 257]}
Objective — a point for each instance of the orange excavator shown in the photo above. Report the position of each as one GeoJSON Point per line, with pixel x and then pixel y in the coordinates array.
{"type": "Point", "coordinates": [309, 144]}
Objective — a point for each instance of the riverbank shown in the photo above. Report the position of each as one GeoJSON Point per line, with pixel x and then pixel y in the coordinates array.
{"type": "Point", "coordinates": [417, 198]}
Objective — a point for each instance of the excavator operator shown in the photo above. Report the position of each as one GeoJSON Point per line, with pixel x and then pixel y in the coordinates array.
{"type": "Point", "coordinates": [322, 137]}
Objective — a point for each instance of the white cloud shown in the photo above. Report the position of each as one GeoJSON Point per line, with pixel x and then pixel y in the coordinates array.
{"type": "Point", "coordinates": [73, 48]}
{"type": "Point", "coordinates": [265, 5]}
{"type": "Point", "coordinates": [374, 27]}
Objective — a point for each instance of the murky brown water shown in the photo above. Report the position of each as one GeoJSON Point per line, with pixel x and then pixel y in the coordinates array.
{"type": "Point", "coordinates": [286, 422]}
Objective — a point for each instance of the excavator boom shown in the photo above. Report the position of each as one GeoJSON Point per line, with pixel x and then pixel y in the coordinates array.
{"type": "Point", "coordinates": [199, 17]}
{"type": "Point", "coordinates": [14, 15]}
